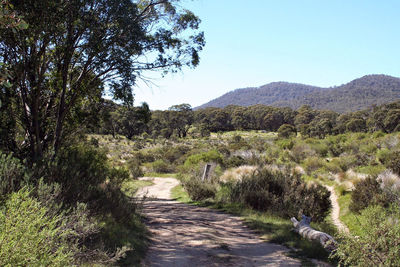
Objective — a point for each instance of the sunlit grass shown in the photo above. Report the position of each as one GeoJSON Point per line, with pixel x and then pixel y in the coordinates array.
{"type": "Point", "coordinates": [162, 175]}
{"type": "Point", "coordinates": [179, 194]}
{"type": "Point", "coordinates": [132, 186]}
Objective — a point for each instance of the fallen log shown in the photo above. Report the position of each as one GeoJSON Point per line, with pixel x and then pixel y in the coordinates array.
{"type": "Point", "coordinates": [305, 230]}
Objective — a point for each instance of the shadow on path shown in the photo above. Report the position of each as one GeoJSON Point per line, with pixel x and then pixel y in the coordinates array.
{"type": "Point", "coordinates": [185, 235]}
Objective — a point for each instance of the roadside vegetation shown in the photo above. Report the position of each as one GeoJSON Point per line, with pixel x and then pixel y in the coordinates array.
{"type": "Point", "coordinates": [69, 159]}
{"type": "Point", "coordinates": [64, 200]}
{"type": "Point", "coordinates": [267, 178]}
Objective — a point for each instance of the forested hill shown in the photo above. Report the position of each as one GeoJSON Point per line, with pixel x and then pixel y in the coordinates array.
{"type": "Point", "coordinates": [356, 95]}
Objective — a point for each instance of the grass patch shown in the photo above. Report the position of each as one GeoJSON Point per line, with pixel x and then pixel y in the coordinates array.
{"type": "Point", "coordinates": [132, 186]}
{"type": "Point", "coordinates": [179, 194]}
{"type": "Point", "coordinates": [161, 175]}
{"type": "Point", "coordinates": [133, 237]}
{"type": "Point", "coordinates": [346, 216]}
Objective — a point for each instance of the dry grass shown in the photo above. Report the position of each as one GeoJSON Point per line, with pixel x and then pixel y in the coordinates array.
{"type": "Point", "coordinates": [237, 174]}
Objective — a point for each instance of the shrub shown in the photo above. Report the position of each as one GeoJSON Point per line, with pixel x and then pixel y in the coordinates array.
{"type": "Point", "coordinates": [367, 192]}
{"type": "Point", "coordinates": [394, 162]}
{"type": "Point", "coordinates": [345, 162]}
{"type": "Point", "coordinates": [134, 167]}
{"type": "Point", "coordinates": [160, 166]}
{"type": "Point", "coordinates": [283, 193]}
{"type": "Point", "coordinates": [320, 148]}
{"type": "Point", "coordinates": [238, 143]}
{"type": "Point", "coordinates": [209, 156]}
{"type": "Point", "coordinates": [286, 131]}
{"type": "Point", "coordinates": [94, 142]}
{"type": "Point", "coordinates": [238, 173]}
{"type": "Point", "coordinates": [313, 163]}
{"type": "Point", "coordinates": [378, 134]}
{"type": "Point", "coordinates": [29, 237]}
{"type": "Point", "coordinates": [234, 161]}
{"type": "Point", "coordinates": [378, 241]}
{"type": "Point", "coordinates": [174, 153]}
{"type": "Point", "coordinates": [390, 185]}
{"type": "Point", "coordinates": [142, 156]}
{"type": "Point", "coordinates": [199, 190]}
{"type": "Point", "coordinates": [12, 174]}
{"type": "Point", "coordinates": [301, 151]}
{"type": "Point", "coordinates": [79, 170]}
{"type": "Point", "coordinates": [285, 144]}
{"type": "Point", "coordinates": [384, 155]}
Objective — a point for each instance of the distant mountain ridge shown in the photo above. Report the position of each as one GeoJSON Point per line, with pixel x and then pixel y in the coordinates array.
{"type": "Point", "coordinates": [356, 95]}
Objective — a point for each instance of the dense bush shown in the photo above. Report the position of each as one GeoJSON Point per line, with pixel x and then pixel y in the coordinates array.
{"type": "Point", "coordinates": [301, 151]}
{"type": "Point", "coordinates": [160, 166]}
{"type": "Point", "coordinates": [134, 167]}
{"type": "Point", "coordinates": [285, 143]}
{"type": "Point", "coordinates": [367, 192]}
{"type": "Point", "coordinates": [199, 190]}
{"type": "Point", "coordinates": [377, 243]}
{"type": "Point", "coordinates": [79, 170]}
{"type": "Point", "coordinates": [173, 154]}
{"type": "Point", "coordinates": [209, 156]}
{"type": "Point", "coordinates": [283, 193]}
{"type": "Point", "coordinates": [12, 173]}
{"type": "Point", "coordinates": [30, 237]}
{"type": "Point", "coordinates": [384, 155]}
{"type": "Point", "coordinates": [313, 163]}
{"type": "Point", "coordinates": [82, 172]}
{"type": "Point", "coordinates": [394, 162]}
{"type": "Point", "coordinates": [286, 131]}
{"type": "Point", "coordinates": [234, 161]}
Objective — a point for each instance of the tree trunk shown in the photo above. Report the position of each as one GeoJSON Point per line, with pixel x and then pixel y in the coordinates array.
{"type": "Point", "coordinates": [305, 230]}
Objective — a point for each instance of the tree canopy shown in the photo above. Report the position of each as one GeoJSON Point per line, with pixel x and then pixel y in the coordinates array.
{"type": "Point", "coordinates": [73, 50]}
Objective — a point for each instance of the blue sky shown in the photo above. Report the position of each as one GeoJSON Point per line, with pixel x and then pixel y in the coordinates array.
{"type": "Point", "coordinates": [254, 42]}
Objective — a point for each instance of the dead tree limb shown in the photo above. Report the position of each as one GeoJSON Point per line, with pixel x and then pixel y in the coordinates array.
{"type": "Point", "coordinates": [305, 230]}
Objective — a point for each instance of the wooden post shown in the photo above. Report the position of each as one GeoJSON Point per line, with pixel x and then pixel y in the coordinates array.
{"type": "Point", "coordinates": [206, 173]}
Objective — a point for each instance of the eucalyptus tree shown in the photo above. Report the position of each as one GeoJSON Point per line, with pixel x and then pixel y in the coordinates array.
{"type": "Point", "coordinates": [180, 118]}
{"type": "Point", "coordinates": [74, 49]}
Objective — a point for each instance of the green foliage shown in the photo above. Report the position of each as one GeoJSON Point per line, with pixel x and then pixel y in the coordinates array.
{"type": "Point", "coordinates": [131, 121]}
{"type": "Point", "coordinates": [234, 161]}
{"type": "Point", "coordinates": [312, 164]}
{"type": "Point", "coordinates": [12, 174]}
{"type": "Point", "coordinates": [209, 156]}
{"type": "Point", "coordinates": [174, 153]}
{"type": "Point", "coordinates": [286, 131]}
{"type": "Point", "coordinates": [30, 237]}
{"type": "Point", "coordinates": [367, 192]}
{"type": "Point", "coordinates": [285, 143]}
{"type": "Point", "coordinates": [301, 151]}
{"type": "Point", "coordinates": [160, 166]}
{"type": "Point", "coordinates": [378, 241]}
{"type": "Point", "coordinates": [199, 190]}
{"type": "Point", "coordinates": [394, 162]}
{"type": "Point", "coordinates": [282, 193]}
{"type": "Point", "coordinates": [115, 38]}
{"type": "Point", "coordinates": [384, 155]}
{"type": "Point", "coordinates": [345, 162]}
{"type": "Point", "coordinates": [80, 170]}
{"type": "Point", "coordinates": [134, 167]}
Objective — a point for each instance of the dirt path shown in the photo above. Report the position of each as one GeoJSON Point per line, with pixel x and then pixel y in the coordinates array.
{"type": "Point", "coordinates": [336, 211]}
{"type": "Point", "coordinates": [184, 235]}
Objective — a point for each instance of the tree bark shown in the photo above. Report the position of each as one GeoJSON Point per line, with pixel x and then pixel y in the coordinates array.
{"type": "Point", "coordinates": [305, 230]}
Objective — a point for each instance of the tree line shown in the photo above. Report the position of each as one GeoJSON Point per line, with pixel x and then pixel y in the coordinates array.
{"type": "Point", "coordinates": [179, 120]}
